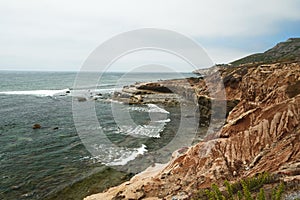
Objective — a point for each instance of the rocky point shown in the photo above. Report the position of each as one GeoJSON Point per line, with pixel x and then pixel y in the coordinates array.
{"type": "Point", "coordinates": [261, 133]}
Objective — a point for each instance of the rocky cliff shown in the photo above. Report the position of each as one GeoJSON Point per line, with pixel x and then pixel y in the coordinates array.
{"type": "Point", "coordinates": [261, 133]}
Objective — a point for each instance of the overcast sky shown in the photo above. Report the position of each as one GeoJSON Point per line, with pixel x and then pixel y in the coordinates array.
{"type": "Point", "coordinates": [60, 34]}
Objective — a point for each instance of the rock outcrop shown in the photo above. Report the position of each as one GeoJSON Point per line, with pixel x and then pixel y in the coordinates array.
{"type": "Point", "coordinates": [168, 92]}
{"type": "Point", "coordinates": [261, 133]}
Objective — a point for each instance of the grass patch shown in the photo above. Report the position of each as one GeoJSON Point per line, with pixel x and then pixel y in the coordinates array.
{"type": "Point", "coordinates": [246, 189]}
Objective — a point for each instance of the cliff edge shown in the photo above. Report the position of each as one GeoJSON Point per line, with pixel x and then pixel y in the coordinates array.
{"type": "Point", "coordinates": [261, 134]}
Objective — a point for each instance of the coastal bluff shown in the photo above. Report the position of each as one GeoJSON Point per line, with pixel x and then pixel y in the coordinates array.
{"type": "Point", "coordinates": [261, 134]}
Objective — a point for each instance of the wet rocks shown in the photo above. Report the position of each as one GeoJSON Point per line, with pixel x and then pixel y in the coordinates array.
{"type": "Point", "coordinates": [36, 126]}
{"type": "Point", "coordinates": [143, 93]}
{"type": "Point", "coordinates": [81, 99]}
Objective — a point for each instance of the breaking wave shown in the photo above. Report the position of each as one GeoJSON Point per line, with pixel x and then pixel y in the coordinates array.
{"type": "Point", "coordinates": [116, 156]}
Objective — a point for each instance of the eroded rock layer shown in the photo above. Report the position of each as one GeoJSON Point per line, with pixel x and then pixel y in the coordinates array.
{"type": "Point", "coordinates": [261, 133]}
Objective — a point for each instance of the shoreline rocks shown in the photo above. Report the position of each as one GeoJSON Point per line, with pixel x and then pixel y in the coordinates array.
{"type": "Point", "coordinates": [146, 93]}
{"type": "Point", "coordinates": [261, 133]}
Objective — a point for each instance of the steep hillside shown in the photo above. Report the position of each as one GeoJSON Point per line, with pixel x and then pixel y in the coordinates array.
{"type": "Point", "coordinates": [284, 51]}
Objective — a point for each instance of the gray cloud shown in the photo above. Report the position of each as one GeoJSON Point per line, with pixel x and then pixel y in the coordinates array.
{"type": "Point", "coordinates": [62, 33]}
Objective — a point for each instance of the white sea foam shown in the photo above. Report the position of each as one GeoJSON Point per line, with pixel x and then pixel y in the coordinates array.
{"type": "Point", "coordinates": [106, 90]}
{"type": "Point", "coordinates": [128, 156]}
{"type": "Point", "coordinates": [155, 108]}
{"type": "Point", "coordinates": [116, 156]}
{"type": "Point", "coordinates": [163, 121]}
{"type": "Point", "coordinates": [41, 93]}
{"type": "Point", "coordinates": [158, 116]}
{"type": "Point", "coordinates": [152, 108]}
{"type": "Point", "coordinates": [62, 92]}
{"type": "Point", "coordinates": [152, 130]}
{"type": "Point", "coordinates": [138, 108]}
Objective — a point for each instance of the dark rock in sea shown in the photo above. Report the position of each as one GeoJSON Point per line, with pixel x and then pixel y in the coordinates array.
{"type": "Point", "coordinates": [55, 128]}
{"type": "Point", "coordinates": [81, 99]}
{"type": "Point", "coordinates": [36, 126]}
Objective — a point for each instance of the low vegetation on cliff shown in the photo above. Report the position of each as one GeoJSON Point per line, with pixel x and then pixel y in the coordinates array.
{"type": "Point", "coordinates": [248, 189]}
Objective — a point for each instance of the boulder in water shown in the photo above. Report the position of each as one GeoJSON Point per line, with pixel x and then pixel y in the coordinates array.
{"type": "Point", "coordinates": [81, 99]}
{"type": "Point", "coordinates": [36, 126]}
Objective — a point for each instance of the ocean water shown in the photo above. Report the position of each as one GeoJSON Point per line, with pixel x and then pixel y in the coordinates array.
{"type": "Point", "coordinates": [35, 163]}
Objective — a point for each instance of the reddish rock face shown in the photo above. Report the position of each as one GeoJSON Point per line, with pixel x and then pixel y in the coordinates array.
{"type": "Point", "coordinates": [262, 133]}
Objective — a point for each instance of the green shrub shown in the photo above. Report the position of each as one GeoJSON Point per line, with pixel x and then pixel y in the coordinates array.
{"type": "Point", "coordinates": [240, 196]}
{"type": "Point", "coordinates": [217, 192]}
{"type": "Point", "coordinates": [277, 192]}
{"type": "Point", "coordinates": [261, 195]}
{"type": "Point", "coordinates": [254, 183]}
{"type": "Point", "coordinates": [246, 191]}
{"type": "Point", "coordinates": [229, 190]}
{"type": "Point", "coordinates": [209, 194]}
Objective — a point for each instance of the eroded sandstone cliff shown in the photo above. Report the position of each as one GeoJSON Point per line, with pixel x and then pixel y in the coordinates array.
{"type": "Point", "coordinates": [261, 133]}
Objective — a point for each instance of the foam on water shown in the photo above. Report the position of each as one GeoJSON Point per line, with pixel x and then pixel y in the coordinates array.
{"type": "Point", "coordinates": [62, 92]}
{"type": "Point", "coordinates": [155, 108]}
{"type": "Point", "coordinates": [152, 108]}
{"type": "Point", "coordinates": [128, 156]}
{"type": "Point", "coordinates": [117, 156]}
{"type": "Point", "coordinates": [153, 130]}
{"type": "Point", "coordinates": [41, 93]}
{"type": "Point", "coordinates": [158, 116]}
{"type": "Point", "coordinates": [163, 121]}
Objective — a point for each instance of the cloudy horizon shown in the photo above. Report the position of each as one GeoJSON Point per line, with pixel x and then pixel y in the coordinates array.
{"type": "Point", "coordinates": [60, 35]}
